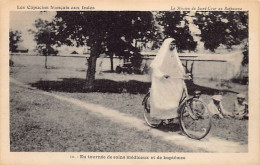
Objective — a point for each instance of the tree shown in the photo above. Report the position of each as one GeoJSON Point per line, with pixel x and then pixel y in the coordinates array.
{"type": "Point", "coordinates": [228, 28]}
{"type": "Point", "coordinates": [176, 26]}
{"type": "Point", "coordinates": [14, 39]}
{"type": "Point", "coordinates": [44, 37]}
{"type": "Point", "coordinates": [112, 31]}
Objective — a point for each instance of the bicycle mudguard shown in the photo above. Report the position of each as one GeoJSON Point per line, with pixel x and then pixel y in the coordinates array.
{"type": "Point", "coordinates": [145, 98]}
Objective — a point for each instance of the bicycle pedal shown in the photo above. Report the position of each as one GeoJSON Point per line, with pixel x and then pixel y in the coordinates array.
{"type": "Point", "coordinates": [165, 122]}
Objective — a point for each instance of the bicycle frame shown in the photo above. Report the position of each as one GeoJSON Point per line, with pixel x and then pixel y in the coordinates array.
{"type": "Point", "coordinates": [183, 107]}
{"type": "Point", "coordinates": [184, 97]}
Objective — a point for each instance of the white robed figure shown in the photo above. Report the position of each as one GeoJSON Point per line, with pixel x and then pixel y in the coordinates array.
{"type": "Point", "coordinates": [167, 81]}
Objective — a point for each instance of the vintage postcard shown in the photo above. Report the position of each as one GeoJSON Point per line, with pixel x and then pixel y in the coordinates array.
{"type": "Point", "coordinates": [129, 82]}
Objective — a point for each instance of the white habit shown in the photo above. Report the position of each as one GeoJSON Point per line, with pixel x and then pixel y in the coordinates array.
{"type": "Point", "coordinates": [166, 93]}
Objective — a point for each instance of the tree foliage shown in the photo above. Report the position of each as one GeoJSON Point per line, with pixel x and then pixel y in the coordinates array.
{"type": "Point", "coordinates": [176, 26]}
{"type": "Point", "coordinates": [108, 28]}
{"type": "Point", "coordinates": [44, 36]}
{"type": "Point", "coordinates": [111, 31]}
{"type": "Point", "coordinates": [227, 28]}
{"type": "Point", "coordinates": [14, 39]}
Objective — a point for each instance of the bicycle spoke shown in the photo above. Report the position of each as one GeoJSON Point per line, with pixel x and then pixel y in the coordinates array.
{"type": "Point", "coordinates": [194, 119]}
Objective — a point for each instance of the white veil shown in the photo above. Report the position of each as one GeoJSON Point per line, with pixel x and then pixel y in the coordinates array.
{"type": "Point", "coordinates": [167, 61]}
{"type": "Point", "coordinates": [161, 53]}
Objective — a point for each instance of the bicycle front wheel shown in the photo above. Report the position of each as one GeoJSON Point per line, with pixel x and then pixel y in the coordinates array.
{"type": "Point", "coordinates": [152, 122]}
{"type": "Point", "coordinates": [195, 120]}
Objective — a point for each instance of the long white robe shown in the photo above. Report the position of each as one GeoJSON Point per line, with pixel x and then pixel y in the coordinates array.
{"type": "Point", "coordinates": [166, 93]}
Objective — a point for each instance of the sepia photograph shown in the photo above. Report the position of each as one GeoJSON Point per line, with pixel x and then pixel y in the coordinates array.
{"type": "Point", "coordinates": [129, 81]}
{"type": "Point", "coordinates": [93, 84]}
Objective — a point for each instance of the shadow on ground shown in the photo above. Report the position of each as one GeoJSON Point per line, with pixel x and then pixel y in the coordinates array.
{"type": "Point", "coordinates": [173, 127]}
{"type": "Point", "coordinates": [75, 85]}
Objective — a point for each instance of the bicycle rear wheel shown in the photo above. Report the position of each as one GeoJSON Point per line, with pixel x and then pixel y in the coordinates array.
{"type": "Point", "coordinates": [152, 122]}
{"type": "Point", "coordinates": [195, 120]}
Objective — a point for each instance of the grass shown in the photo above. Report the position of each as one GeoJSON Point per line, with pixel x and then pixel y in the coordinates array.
{"type": "Point", "coordinates": [41, 123]}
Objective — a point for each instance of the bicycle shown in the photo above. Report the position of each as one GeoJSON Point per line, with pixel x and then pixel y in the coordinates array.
{"type": "Point", "coordinates": [194, 122]}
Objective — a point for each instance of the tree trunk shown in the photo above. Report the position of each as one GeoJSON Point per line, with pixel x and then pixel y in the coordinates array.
{"type": "Point", "coordinates": [47, 53]}
{"type": "Point", "coordinates": [111, 61]}
{"type": "Point", "coordinates": [45, 65]}
{"type": "Point", "coordinates": [90, 76]}
{"type": "Point", "coordinates": [136, 43]}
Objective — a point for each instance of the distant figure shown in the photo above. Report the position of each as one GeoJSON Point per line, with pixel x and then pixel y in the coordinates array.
{"type": "Point", "coordinates": [167, 82]}
{"type": "Point", "coordinates": [216, 108]}
{"type": "Point", "coordinates": [197, 94]}
{"type": "Point", "coordinates": [240, 107]}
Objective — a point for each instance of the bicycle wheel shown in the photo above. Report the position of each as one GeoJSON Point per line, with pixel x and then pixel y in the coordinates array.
{"type": "Point", "coordinates": [195, 120]}
{"type": "Point", "coordinates": [152, 122]}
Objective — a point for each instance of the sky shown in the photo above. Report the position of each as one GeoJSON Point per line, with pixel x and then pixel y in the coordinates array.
{"type": "Point", "coordinates": [23, 21]}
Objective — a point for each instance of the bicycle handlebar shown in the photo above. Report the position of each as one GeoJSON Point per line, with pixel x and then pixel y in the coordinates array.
{"type": "Point", "coordinates": [184, 78]}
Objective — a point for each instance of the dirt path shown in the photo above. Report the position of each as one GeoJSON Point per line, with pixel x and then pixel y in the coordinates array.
{"type": "Point", "coordinates": [210, 144]}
